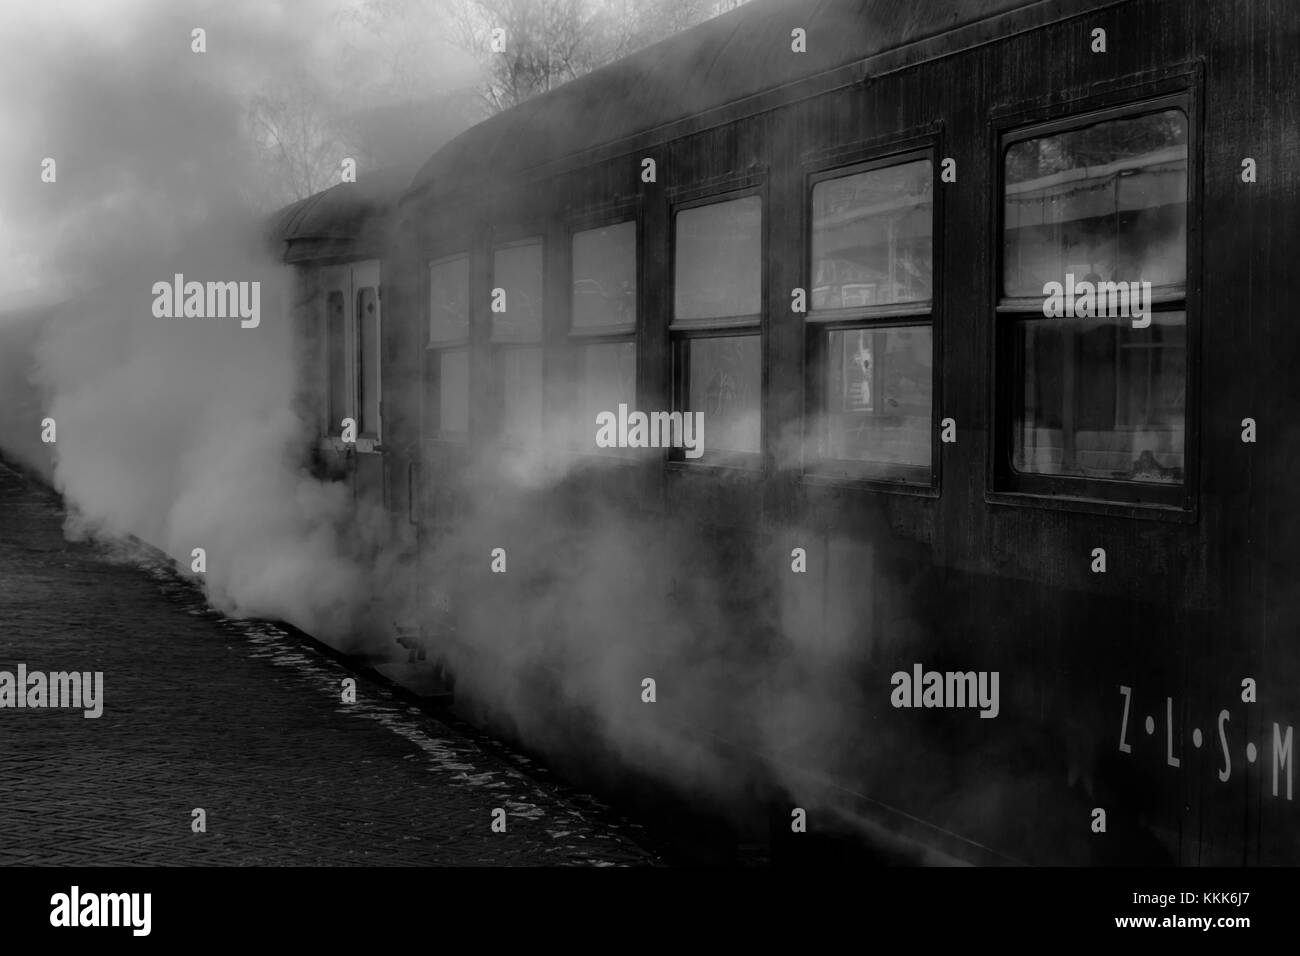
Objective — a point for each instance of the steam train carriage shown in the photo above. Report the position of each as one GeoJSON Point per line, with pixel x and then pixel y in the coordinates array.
{"type": "Point", "coordinates": [987, 546]}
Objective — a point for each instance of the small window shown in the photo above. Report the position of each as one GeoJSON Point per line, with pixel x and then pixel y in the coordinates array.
{"type": "Point", "coordinates": [453, 393]}
{"type": "Point", "coordinates": [717, 346]}
{"type": "Point", "coordinates": [871, 272]}
{"type": "Point", "coordinates": [449, 301]}
{"type": "Point", "coordinates": [1093, 315]}
{"type": "Point", "coordinates": [517, 292]}
{"type": "Point", "coordinates": [719, 260]}
{"type": "Point", "coordinates": [339, 403]}
{"type": "Point", "coordinates": [520, 372]}
{"type": "Point", "coordinates": [368, 361]}
{"type": "Point", "coordinates": [604, 278]}
{"type": "Point", "coordinates": [724, 382]}
{"type": "Point", "coordinates": [880, 386]}
{"type": "Point", "coordinates": [607, 380]}
{"type": "Point", "coordinates": [872, 238]}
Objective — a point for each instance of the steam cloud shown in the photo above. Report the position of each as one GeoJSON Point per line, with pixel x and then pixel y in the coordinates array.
{"type": "Point", "coordinates": [185, 433]}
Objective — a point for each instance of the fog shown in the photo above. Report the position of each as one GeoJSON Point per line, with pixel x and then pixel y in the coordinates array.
{"type": "Point", "coordinates": [187, 433]}
{"type": "Point", "coordinates": [183, 432]}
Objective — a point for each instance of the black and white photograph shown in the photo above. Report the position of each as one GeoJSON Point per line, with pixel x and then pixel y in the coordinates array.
{"type": "Point", "coordinates": [744, 446]}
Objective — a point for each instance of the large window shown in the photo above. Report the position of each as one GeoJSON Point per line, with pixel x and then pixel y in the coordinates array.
{"type": "Point", "coordinates": [717, 311]}
{"type": "Point", "coordinates": [516, 308]}
{"type": "Point", "coordinates": [1093, 310]}
{"type": "Point", "coordinates": [449, 341]}
{"type": "Point", "coordinates": [870, 339]}
{"type": "Point", "coordinates": [603, 326]}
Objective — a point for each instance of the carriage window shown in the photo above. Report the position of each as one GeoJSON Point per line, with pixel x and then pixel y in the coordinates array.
{"type": "Point", "coordinates": [608, 379]}
{"type": "Point", "coordinates": [1102, 400]}
{"type": "Point", "coordinates": [368, 361]}
{"type": "Point", "coordinates": [517, 292]}
{"type": "Point", "coordinates": [719, 260]}
{"type": "Point", "coordinates": [449, 301]}
{"type": "Point", "coordinates": [453, 393]}
{"type": "Point", "coordinates": [604, 278]}
{"type": "Point", "coordinates": [717, 281]}
{"type": "Point", "coordinates": [724, 382]}
{"type": "Point", "coordinates": [879, 388]}
{"type": "Point", "coordinates": [1093, 320]}
{"type": "Point", "coordinates": [871, 237]}
{"type": "Point", "coordinates": [520, 372]}
{"type": "Point", "coordinates": [1105, 202]}
{"type": "Point", "coordinates": [871, 278]}
{"type": "Point", "coordinates": [338, 403]}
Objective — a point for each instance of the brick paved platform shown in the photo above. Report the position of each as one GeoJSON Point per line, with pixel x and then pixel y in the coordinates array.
{"type": "Point", "coordinates": [243, 720]}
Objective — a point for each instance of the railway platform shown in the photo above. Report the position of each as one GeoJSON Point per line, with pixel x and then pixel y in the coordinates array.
{"type": "Point", "coordinates": [226, 742]}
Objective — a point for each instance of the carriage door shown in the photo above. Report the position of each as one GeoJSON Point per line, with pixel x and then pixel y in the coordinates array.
{"type": "Point", "coordinates": [352, 372]}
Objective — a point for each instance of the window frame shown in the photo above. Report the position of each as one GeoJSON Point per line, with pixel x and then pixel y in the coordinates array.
{"type": "Point", "coordinates": [578, 340]}
{"type": "Point", "coordinates": [682, 332]}
{"type": "Point", "coordinates": [852, 160]}
{"type": "Point", "coordinates": [434, 350]}
{"type": "Point", "coordinates": [1176, 88]}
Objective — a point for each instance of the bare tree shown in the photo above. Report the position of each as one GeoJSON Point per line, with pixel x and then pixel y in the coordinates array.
{"type": "Point", "coordinates": [300, 136]}
{"type": "Point", "coordinates": [417, 53]}
{"type": "Point", "coordinates": [527, 47]}
{"type": "Point", "coordinates": [403, 56]}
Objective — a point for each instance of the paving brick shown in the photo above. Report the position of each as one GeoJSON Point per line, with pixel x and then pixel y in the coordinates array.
{"type": "Point", "coordinates": [244, 720]}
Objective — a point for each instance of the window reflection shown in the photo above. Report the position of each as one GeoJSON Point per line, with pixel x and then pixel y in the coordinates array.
{"type": "Point", "coordinates": [453, 392]}
{"type": "Point", "coordinates": [520, 371]}
{"type": "Point", "coordinates": [725, 384]}
{"type": "Point", "coordinates": [871, 237]}
{"type": "Point", "coordinates": [604, 277]}
{"type": "Point", "coordinates": [719, 260]}
{"type": "Point", "coordinates": [449, 300]}
{"type": "Point", "coordinates": [1103, 400]}
{"type": "Point", "coordinates": [1105, 202]}
{"type": "Point", "coordinates": [878, 393]}
{"type": "Point", "coordinates": [517, 269]}
{"type": "Point", "coordinates": [608, 380]}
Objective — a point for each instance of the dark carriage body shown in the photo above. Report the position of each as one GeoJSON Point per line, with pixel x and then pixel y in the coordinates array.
{"type": "Point", "coordinates": [975, 556]}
